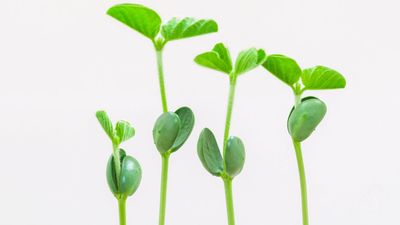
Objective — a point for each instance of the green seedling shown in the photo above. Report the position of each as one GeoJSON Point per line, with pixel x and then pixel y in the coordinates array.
{"type": "Point", "coordinates": [123, 171]}
{"type": "Point", "coordinates": [148, 23]}
{"type": "Point", "coordinates": [307, 112]}
{"type": "Point", "coordinates": [231, 162]}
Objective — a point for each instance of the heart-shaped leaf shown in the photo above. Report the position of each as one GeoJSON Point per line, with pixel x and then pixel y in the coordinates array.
{"type": "Point", "coordinates": [165, 131]}
{"type": "Point", "coordinates": [106, 123]}
{"type": "Point", "coordinates": [209, 154]}
{"type": "Point", "coordinates": [140, 18]}
{"type": "Point", "coordinates": [321, 77]}
{"type": "Point", "coordinates": [248, 60]}
{"type": "Point", "coordinates": [305, 118]}
{"type": "Point", "coordinates": [186, 117]}
{"type": "Point", "coordinates": [218, 59]}
{"type": "Point", "coordinates": [187, 27]}
{"type": "Point", "coordinates": [131, 175]}
{"type": "Point", "coordinates": [234, 156]}
{"type": "Point", "coordinates": [284, 68]}
{"type": "Point", "coordinates": [124, 130]}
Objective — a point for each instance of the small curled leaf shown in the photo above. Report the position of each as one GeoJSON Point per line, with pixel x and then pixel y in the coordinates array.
{"type": "Point", "coordinates": [165, 131]}
{"type": "Point", "coordinates": [284, 68]}
{"type": "Point", "coordinates": [209, 154]}
{"type": "Point", "coordinates": [124, 130]}
{"type": "Point", "coordinates": [321, 77]}
{"type": "Point", "coordinates": [187, 27]}
{"type": "Point", "coordinates": [186, 117]}
{"type": "Point", "coordinates": [218, 59]}
{"type": "Point", "coordinates": [248, 60]}
{"type": "Point", "coordinates": [106, 123]}
{"type": "Point", "coordinates": [234, 156]}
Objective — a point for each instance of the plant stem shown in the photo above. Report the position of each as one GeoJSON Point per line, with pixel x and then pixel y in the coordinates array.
{"type": "Point", "coordinates": [122, 210]}
{"type": "Point", "coordinates": [303, 185]}
{"type": "Point", "coordinates": [229, 201]}
{"type": "Point", "coordinates": [231, 97]}
{"type": "Point", "coordinates": [163, 190]}
{"type": "Point", "coordinates": [161, 80]}
{"type": "Point", "coordinates": [117, 161]}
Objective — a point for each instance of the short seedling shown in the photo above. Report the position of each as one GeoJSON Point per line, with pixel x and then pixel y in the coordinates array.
{"type": "Point", "coordinates": [172, 128]}
{"type": "Point", "coordinates": [230, 164]}
{"type": "Point", "coordinates": [123, 171]}
{"type": "Point", "coordinates": [308, 112]}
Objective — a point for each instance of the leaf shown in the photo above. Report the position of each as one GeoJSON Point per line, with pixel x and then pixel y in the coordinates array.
{"type": "Point", "coordinates": [124, 130]}
{"type": "Point", "coordinates": [217, 59]}
{"type": "Point", "coordinates": [165, 131]}
{"type": "Point", "coordinates": [321, 77]}
{"type": "Point", "coordinates": [248, 60]}
{"type": "Point", "coordinates": [209, 154]}
{"type": "Point", "coordinates": [234, 156]}
{"type": "Point", "coordinates": [186, 117]}
{"type": "Point", "coordinates": [111, 174]}
{"type": "Point", "coordinates": [106, 123]}
{"type": "Point", "coordinates": [140, 18]}
{"type": "Point", "coordinates": [131, 175]}
{"type": "Point", "coordinates": [284, 68]}
{"type": "Point", "coordinates": [187, 27]}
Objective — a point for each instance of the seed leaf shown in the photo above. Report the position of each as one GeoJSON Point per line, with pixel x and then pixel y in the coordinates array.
{"type": "Point", "coordinates": [131, 175]}
{"type": "Point", "coordinates": [248, 60]}
{"type": "Point", "coordinates": [187, 27]}
{"type": "Point", "coordinates": [218, 59]}
{"type": "Point", "coordinates": [234, 156]}
{"type": "Point", "coordinates": [284, 68]}
{"type": "Point", "coordinates": [321, 77]}
{"type": "Point", "coordinates": [165, 131]}
{"type": "Point", "coordinates": [209, 154]}
{"type": "Point", "coordinates": [124, 130]}
{"type": "Point", "coordinates": [106, 123]}
{"type": "Point", "coordinates": [138, 17]}
{"type": "Point", "coordinates": [186, 117]}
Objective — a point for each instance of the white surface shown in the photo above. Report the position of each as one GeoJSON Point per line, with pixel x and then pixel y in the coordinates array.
{"type": "Point", "coordinates": [60, 61]}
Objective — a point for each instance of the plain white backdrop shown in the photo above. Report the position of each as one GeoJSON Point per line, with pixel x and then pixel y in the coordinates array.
{"type": "Point", "coordinates": [60, 61]}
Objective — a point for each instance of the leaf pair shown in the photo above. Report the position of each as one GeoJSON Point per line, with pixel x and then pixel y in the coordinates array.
{"type": "Point", "coordinates": [172, 129]}
{"type": "Point", "coordinates": [147, 22]}
{"type": "Point", "coordinates": [315, 78]}
{"type": "Point", "coordinates": [210, 156]}
{"type": "Point", "coordinates": [219, 59]}
{"type": "Point", "coordinates": [122, 132]}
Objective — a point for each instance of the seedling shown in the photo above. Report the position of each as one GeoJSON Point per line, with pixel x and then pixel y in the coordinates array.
{"type": "Point", "coordinates": [147, 22]}
{"type": "Point", "coordinates": [307, 112]}
{"type": "Point", "coordinates": [231, 162]}
{"type": "Point", "coordinates": [123, 171]}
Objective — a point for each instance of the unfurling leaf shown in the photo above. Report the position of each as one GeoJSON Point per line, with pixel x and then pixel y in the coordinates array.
{"type": "Point", "coordinates": [284, 68]}
{"type": "Point", "coordinates": [209, 154]}
{"type": "Point", "coordinates": [186, 117]}
{"type": "Point", "coordinates": [124, 130]}
{"type": "Point", "coordinates": [106, 123]}
{"type": "Point", "coordinates": [248, 60]}
{"type": "Point", "coordinates": [234, 156]}
{"type": "Point", "coordinates": [217, 59]}
{"type": "Point", "coordinates": [187, 27]}
{"type": "Point", "coordinates": [165, 131]}
{"type": "Point", "coordinates": [321, 77]}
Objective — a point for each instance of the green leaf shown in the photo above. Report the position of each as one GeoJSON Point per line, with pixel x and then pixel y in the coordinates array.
{"type": "Point", "coordinates": [106, 123]}
{"type": "Point", "coordinates": [248, 60]}
{"type": "Point", "coordinates": [124, 130]}
{"type": "Point", "coordinates": [218, 59]}
{"type": "Point", "coordinates": [111, 174]}
{"type": "Point", "coordinates": [187, 27]}
{"type": "Point", "coordinates": [284, 68]}
{"type": "Point", "coordinates": [305, 118]}
{"type": "Point", "coordinates": [131, 175]}
{"type": "Point", "coordinates": [140, 18]}
{"type": "Point", "coordinates": [321, 77]}
{"type": "Point", "coordinates": [186, 117]}
{"type": "Point", "coordinates": [234, 156]}
{"type": "Point", "coordinates": [165, 131]}
{"type": "Point", "coordinates": [209, 154]}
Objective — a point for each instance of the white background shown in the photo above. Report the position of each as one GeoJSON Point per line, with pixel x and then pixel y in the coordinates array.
{"type": "Point", "coordinates": [60, 61]}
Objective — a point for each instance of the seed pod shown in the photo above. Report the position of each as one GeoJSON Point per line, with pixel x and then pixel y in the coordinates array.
{"type": "Point", "coordinates": [305, 118]}
{"type": "Point", "coordinates": [130, 175]}
{"type": "Point", "coordinates": [165, 131]}
{"type": "Point", "coordinates": [234, 156]}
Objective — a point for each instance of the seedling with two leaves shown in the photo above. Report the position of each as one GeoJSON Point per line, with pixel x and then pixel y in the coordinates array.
{"type": "Point", "coordinates": [123, 171]}
{"type": "Point", "coordinates": [231, 162]}
{"type": "Point", "coordinates": [307, 112]}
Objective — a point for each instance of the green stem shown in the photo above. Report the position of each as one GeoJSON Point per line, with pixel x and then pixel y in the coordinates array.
{"type": "Point", "coordinates": [163, 192]}
{"type": "Point", "coordinates": [117, 161]}
{"type": "Point", "coordinates": [231, 97]}
{"type": "Point", "coordinates": [303, 185]}
{"type": "Point", "coordinates": [161, 80]}
{"type": "Point", "coordinates": [229, 201]}
{"type": "Point", "coordinates": [122, 210]}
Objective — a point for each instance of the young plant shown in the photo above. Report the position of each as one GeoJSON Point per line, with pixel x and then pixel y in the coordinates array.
{"type": "Point", "coordinates": [147, 22]}
{"type": "Point", "coordinates": [307, 112]}
{"type": "Point", "coordinates": [123, 171]}
{"type": "Point", "coordinates": [231, 162]}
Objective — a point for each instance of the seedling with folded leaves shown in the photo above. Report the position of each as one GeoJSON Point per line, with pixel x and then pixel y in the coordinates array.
{"type": "Point", "coordinates": [307, 112]}
{"type": "Point", "coordinates": [123, 171]}
{"type": "Point", "coordinates": [172, 128]}
{"type": "Point", "coordinates": [231, 162]}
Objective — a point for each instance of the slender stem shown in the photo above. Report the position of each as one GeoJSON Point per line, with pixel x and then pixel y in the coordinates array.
{"type": "Point", "coordinates": [117, 161]}
{"type": "Point", "coordinates": [122, 210]}
{"type": "Point", "coordinates": [231, 97]}
{"type": "Point", "coordinates": [163, 190]}
{"type": "Point", "coordinates": [303, 185]}
{"type": "Point", "coordinates": [161, 80]}
{"type": "Point", "coordinates": [297, 100]}
{"type": "Point", "coordinates": [229, 201]}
